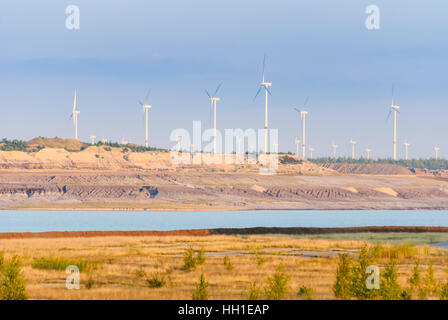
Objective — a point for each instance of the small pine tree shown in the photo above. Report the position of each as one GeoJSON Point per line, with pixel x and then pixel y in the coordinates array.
{"type": "Point", "coordinates": [277, 287]}
{"type": "Point", "coordinates": [12, 285]}
{"type": "Point", "coordinates": [201, 291]}
{"type": "Point", "coordinates": [415, 279]}
{"type": "Point", "coordinates": [359, 276]}
{"type": "Point", "coordinates": [390, 289]}
{"type": "Point", "coordinates": [342, 286]}
{"type": "Point", "coordinates": [430, 281]}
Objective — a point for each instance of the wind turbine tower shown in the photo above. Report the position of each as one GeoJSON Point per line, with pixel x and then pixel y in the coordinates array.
{"type": "Point", "coordinates": [395, 109]}
{"type": "Point", "coordinates": [303, 114]}
{"type": "Point", "coordinates": [437, 149]}
{"type": "Point", "coordinates": [311, 152]}
{"type": "Point", "coordinates": [353, 148]}
{"type": "Point", "coordinates": [92, 138]}
{"type": "Point", "coordinates": [368, 153]}
{"type": "Point", "coordinates": [265, 85]}
{"type": "Point", "coordinates": [146, 108]}
{"type": "Point", "coordinates": [406, 145]}
{"type": "Point", "coordinates": [297, 142]}
{"type": "Point", "coordinates": [334, 146]}
{"type": "Point", "coordinates": [74, 115]}
{"type": "Point", "coordinates": [213, 100]}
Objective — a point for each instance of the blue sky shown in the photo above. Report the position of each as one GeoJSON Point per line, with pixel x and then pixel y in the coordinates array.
{"type": "Point", "coordinates": [177, 48]}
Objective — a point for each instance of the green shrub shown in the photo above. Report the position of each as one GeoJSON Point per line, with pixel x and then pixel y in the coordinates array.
{"type": "Point", "coordinates": [227, 263]}
{"type": "Point", "coordinates": [255, 292]}
{"type": "Point", "coordinates": [405, 295]}
{"type": "Point", "coordinates": [200, 257]}
{"type": "Point", "coordinates": [156, 280]}
{"type": "Point", "coordinates": [90, 282]}
{"type": "Point", "coordinates": [12, 284]}
{"type": "Point", "coordinates": [306, 293]}
{"type": "Point", "coordinates": [277, 286]}
{"type": "Point", "coordinates": [443, 294]}
{"type": "Point", "coordinates": [201, 291]}
{"type": "Point", "coordinates": [260, 260]}
{"type": "Point", "coordinates": [389, 287]}
{"type": "Point", "coordinates": [55, 263]}
{"type": "Point", "coordinates": [193, 258]}
{"type": "Point", "coordinates": [140, 273]}
{"type": "Point", "coordinates": [342, 288]}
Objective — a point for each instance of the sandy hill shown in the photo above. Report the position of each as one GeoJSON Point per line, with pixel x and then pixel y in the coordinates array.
{"type": "Point", "coordinates": [368, 168]}
{"type": "Point", "coordinates": [56, 143]}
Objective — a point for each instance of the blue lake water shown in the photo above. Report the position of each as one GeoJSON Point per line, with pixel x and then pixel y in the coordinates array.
{"type": "Point", "coordinates": [41, 221]}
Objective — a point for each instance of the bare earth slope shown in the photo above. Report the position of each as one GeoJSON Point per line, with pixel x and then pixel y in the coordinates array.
{"type": "Point", "coordinates": [113, 178]}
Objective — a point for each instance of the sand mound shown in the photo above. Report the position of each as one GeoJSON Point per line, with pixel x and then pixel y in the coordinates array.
{"type": "Point", "coordinates": [258, 188]}
{"type": "Point", "coordinates": [351, 189]}
{"type": "Point", "coordinates": [388, 191]}
{"type": "Point", "coordinates": [70, 144]}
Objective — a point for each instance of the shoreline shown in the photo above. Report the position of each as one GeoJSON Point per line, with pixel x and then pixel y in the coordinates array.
{"type": "Point", "coordinates": [226, 209]}
{"type": "Point", "coordinates": [220, 231]}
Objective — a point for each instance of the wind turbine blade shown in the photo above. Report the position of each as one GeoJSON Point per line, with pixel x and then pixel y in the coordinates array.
{"type": "Point", "coordinates": [259, 89]}
{"type": "Point", "coordinates": [74, 102]}
{"type": "Point", "coordinates": [297, 110]}
{"type": "Point", "coordinates": [393, 89]}
{"type": "Point", "coordinates": [141, 103]}
{"type": "Point", "coordinates": [388, 116]}
{"type": "Point", "coordinates": [306, 101]}
{"type": "Point", "coordinates": [268, 91]}
{"type": "Point", "coordinates": [147, 96]}
{"type": "Point", "coordinates": [208, 94]}
{"type": "Point", "coordinates": [264, 64]}
{"type": "Point", "coordinates": [217, 89]}
{"type": "Point", "coordinates": [211, 112]}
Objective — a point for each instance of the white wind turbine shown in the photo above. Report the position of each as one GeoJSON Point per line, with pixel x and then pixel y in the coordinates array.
{"type": "Point", "coordinates": [265, 85]}
{"type": "Point", "coordinates": [395, 109]}
{"type": "Point", "coordinates": [303, 114]}
{"type": "Point", "coordinates": [74, 114]}
{"type": "Point", "coordinates": [213, 100]}
{"type": "Point", "coordinates": [311, 152]}
{"type": "Point", "coordinates": [353, 147]}
{"type": "Point", "coordinates": [406, 145]}
{"type": "Point", "coordinates": [146, 108]}
{"type": "Point", "coordinates": [92, 138]}
{"type": "Point", "coordinates": [297, 142]}
{"type": "Point", "coordinates": [335, 147]}
{"type": "Point", "coordinates": [368, 153]}
{"type": "Point", "coordinates": [437, 149]}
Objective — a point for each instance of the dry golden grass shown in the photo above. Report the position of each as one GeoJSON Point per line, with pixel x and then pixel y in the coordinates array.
{"type": "Point", "coordinates": [124, 263]}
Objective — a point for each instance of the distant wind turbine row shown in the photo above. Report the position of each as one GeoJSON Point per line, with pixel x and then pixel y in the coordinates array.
{"type": "Point", "coordinates": [264, 85]}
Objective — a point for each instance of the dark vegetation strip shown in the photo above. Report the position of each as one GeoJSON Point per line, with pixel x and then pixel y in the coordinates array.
{"type": "Point", "coordinates": [220, 231]}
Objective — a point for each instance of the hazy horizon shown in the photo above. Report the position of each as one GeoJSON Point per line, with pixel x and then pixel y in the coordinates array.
{"type": "Point", "coordinates": [319, 49]}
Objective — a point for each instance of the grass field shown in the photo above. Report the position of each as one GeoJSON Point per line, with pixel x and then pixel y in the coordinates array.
{"type": "Point", "coordinates": [153, 267]}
